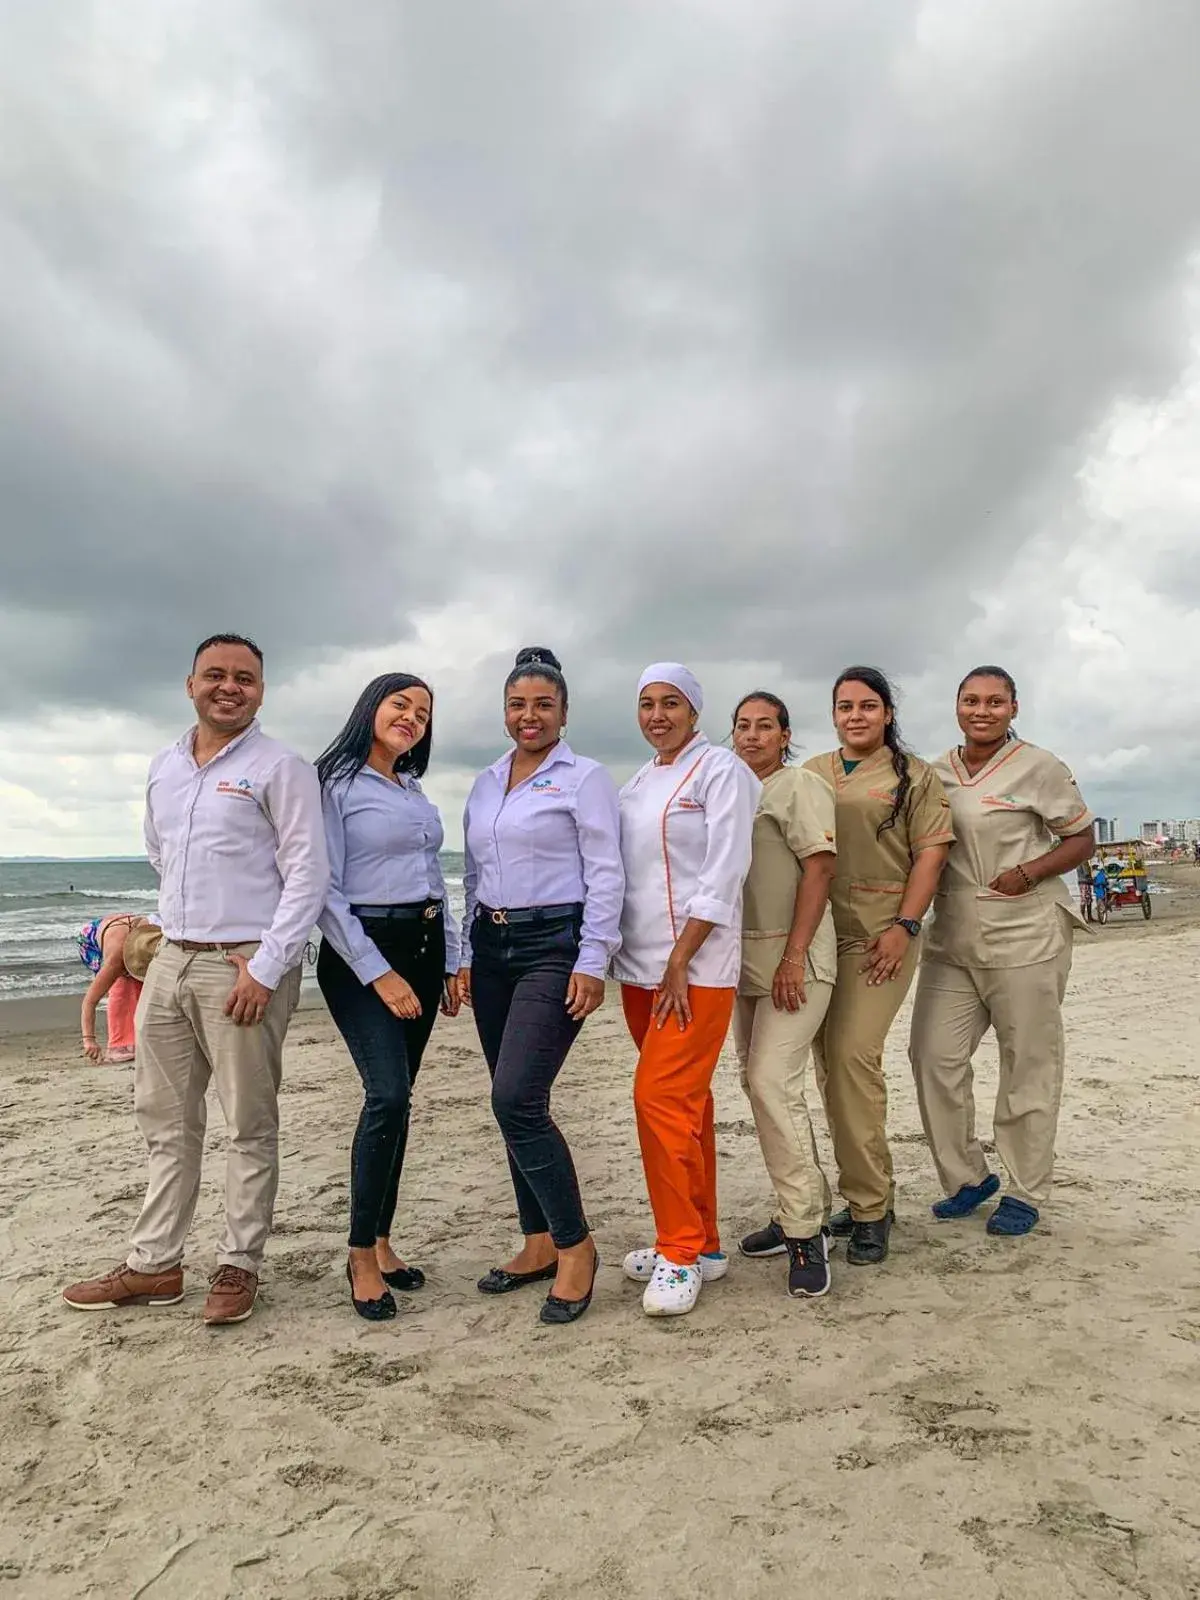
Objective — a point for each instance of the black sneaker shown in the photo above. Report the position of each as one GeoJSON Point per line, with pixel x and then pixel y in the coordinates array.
{"type": "Point", "coordinates": [869, 1242]}
{"type": "Point", "coordinates": [808, 1275]}
{"type": "Point", "coordinates": [768, 1241]}
{"type": "Point", "coordinates": [841, 1223]}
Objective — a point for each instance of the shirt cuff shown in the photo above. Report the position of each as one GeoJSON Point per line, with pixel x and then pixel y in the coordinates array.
{"type": "Point", "coordinates": [707, 908]}
{"type": "Point", "coordinates": [369, 967]}
{"type": "Point", "coordinates": [593, 960]}
{"type": "Point", "coordinates": [265, 971]}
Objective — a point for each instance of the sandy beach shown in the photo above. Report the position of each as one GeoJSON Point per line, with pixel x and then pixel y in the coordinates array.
{"type": "Point", "coordinates": [996, 1419]}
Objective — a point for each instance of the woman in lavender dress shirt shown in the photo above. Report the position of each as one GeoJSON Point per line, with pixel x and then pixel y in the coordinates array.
{"type": "Point", "coordinates": [389, 952]}
{"type": "Point", "coordinates": [544, 886]}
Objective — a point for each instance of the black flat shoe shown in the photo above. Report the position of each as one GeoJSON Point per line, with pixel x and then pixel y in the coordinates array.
{"type": "Point", "coordinates": [405, 1278]}
{"type": "Point", "coordinates": [557, 1310]}
{"type": "Point", "coordinates": [497, 1281]}
{"type": "Point", "coordinates": [381, 1310]}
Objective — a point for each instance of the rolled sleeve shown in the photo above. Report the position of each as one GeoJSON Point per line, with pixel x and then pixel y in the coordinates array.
{"type": "Point", "coordinates": [731, 794]}
{"type": "Point", "coordinates": [598, 826]}
{"type": "Point", "coordinates": [808, 816]}
{"type": "Point", "coordinates": [470, 889]}
{"type": "Point", "coordinates": [292, 799]}
{"type": "Point", "coordinates": [1063, 808]}
{"type": "Point", "coordinates": [337, 922]}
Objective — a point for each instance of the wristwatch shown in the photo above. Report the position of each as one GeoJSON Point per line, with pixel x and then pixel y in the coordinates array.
{"type": "Point", "coordinates": [910, 925]}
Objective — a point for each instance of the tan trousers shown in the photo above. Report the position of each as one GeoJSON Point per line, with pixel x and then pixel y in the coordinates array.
{"type": "Point", "coordinates": [954, 1008]}
{"type": "Point", "coordinates": [773, 1048]}
{"type": "Point", "coordinates": [849, 1059]}
{"type": "Point", "coordinates": [184, 1038]}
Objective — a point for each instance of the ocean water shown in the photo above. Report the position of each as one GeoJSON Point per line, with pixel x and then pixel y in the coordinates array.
{"type": "Point", "coordinates": [43, 905]}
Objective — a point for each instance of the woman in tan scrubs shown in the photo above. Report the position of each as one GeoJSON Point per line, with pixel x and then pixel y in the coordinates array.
{"type": "Point", "coordinates": [999, 955]}
{"type": "Point", "coordinates": [789, 963]}
{"type": "Point", "coordinates": [893, 835]}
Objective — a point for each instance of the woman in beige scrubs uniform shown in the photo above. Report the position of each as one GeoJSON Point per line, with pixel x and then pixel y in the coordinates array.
{"type": "Point", "coordinates": [998, 955]}
{"type": "Point", "coordinates": [789, 964]}
{"type": "Point", "coordinates": [893, 834]}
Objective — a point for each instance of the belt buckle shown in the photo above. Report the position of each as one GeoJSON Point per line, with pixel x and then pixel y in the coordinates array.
{"type": "Point", "coordinates": [430, 912]}
{"type": "Point", "coordinates": [500, 918]}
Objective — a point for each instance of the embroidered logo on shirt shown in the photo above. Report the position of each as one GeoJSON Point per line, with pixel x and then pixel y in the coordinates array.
{"type": "Point", "coordinates": [544, 786]}
{"type": "Point", "coordinates": [241, 790]}
{"type": "Point", "coordinates": [1003, 802]}
{"type": "Point", "coordinates": [684, 804]}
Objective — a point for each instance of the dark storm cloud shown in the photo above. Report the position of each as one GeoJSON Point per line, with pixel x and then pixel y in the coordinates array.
{"type": "Point", "coordinates": [756, 335]}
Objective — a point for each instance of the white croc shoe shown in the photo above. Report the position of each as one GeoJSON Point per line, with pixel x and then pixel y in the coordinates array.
{"type": "Point", "coordinates": [672, 1291]}
{"type": "Point", "coordinates": [639, 1265]}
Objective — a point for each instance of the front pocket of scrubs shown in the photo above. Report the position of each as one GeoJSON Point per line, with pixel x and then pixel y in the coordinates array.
{"type": "Point", "coordinates": [1011, 921]}
{"type": "Point", "coordinates": [874, 906]}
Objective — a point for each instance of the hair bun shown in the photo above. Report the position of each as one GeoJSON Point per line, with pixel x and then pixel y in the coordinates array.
{"type": "Point", "coordinates": [536, 655]}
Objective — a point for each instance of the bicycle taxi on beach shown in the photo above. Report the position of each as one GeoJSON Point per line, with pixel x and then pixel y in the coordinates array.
{"type": "Point", "coordinates": [1114, 878]}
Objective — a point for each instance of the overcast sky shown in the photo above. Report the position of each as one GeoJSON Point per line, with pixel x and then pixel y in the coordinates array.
{"type": "Point", "coordinates": [772, 337]}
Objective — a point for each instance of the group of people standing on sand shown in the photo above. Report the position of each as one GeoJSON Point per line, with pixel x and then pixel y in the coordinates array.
{"type": "Point", "coordinates": [719, 887]}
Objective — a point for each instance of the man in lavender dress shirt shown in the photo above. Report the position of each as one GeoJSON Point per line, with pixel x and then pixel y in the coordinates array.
{"type": "Point", "coordinates": [234, 832]}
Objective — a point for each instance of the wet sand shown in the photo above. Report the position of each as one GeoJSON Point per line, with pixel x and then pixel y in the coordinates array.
{"type": "Point", "coordinates": [1008, 1420]}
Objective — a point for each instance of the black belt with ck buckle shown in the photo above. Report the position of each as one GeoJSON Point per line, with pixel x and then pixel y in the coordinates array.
{"type": "Point", "coordinates": [418, 911]}
{"type": "Point", "coordinates": [519, 914]}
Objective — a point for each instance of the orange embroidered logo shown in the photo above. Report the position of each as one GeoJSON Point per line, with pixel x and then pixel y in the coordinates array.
{"type": "Point", "coordinates": [1002, 802]}
{"type": "Point", "coordinates": [689, 805]}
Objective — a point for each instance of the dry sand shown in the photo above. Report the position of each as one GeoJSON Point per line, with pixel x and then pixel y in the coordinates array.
{"type": "Point", "coordinates": [977, 1418]}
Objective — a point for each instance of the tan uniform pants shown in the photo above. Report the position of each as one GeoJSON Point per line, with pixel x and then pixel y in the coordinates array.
{"type": "Point", "coordinates": [954, 1008]}
{"type": "Point", "coordinates": [849, 1059]}
{"type": "Point", "coordinates": [773, 1049]}
{"type": "Point", "coordinates": [184, 1038]}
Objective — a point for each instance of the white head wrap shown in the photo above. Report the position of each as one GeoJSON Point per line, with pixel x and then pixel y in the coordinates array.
{"type": "Point", "coordinates": [678, 676]}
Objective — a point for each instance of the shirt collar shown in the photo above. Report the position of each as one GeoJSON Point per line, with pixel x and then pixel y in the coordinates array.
{"type": "Point", "coordinates": [188, 743]}
{"type": "Point", "coordinates": [697, 740]}
{"type": "Point", "coordinates": [561, 755]}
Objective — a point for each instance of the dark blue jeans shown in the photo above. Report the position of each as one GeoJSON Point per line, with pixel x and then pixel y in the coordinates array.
{"type": "Point", "coordinates": [519, 977]}
{"type": "Point", "coordinates": [387, 1053]}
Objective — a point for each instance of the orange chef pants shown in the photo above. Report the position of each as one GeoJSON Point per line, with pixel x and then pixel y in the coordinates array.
{"type": "Point", "coordinates": [672, 1096]}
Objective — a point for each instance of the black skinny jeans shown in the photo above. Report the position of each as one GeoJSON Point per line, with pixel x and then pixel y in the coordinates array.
{"type": "Point", "coordinates": [387, 1053]}
{"type": "Point", "coordinates": [519, 977]}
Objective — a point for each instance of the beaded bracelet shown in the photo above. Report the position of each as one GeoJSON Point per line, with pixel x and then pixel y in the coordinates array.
{"type": "Point", "coordinates": [790, 961]}
{"type": "Point", "coordinates": [1026, 880]}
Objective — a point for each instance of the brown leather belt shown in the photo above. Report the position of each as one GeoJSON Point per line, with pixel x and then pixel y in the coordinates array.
{"type": "Point", "coordinates": [194, 947]}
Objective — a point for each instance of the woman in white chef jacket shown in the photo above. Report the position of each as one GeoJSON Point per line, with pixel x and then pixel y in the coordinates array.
{"type": "Point", "coordinates": [687, 818]}
{"type": "Point", "coordinates": [998, 956]}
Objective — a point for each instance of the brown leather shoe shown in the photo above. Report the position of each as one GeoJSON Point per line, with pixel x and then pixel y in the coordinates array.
{"type": "Point", "coordinates": [231, 1296]}
{"type": "Point", "coordinates": [125, 1287]}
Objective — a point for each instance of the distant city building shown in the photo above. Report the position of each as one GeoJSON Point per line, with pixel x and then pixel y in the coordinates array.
{"type": "Point", "coordinates": [1178, 830]}
{"type": "Point", "coordinates": [1106, 830]}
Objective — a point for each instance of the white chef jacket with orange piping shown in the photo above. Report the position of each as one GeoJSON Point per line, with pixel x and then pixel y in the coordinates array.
{"type": "Point", "coordinates": [686, 834]}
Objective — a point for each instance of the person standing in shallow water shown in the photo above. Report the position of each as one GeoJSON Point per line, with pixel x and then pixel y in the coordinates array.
{"type": "Point", "coordinates": [544, 883]}
{"type": "Point", "coordinates": [389, 952]}
{"type": "Point", "coordinates": [999, 956]}
{"type": "Point", "coordinates": [789, 967]}
{"type": "Point", "coordinates": [893, 835]}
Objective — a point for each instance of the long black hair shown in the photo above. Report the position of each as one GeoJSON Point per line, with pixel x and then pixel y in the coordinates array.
{"type": "Point", "coordinates": [878, 684]}
{"type": "Point", "coordinates": [535, 661]}
{"type": "Point", "coordinates": [780, 710]}
{"type": "Point", "coordinates": [348, 753]}
{"type": "Point", "coordinates": [1006, 678]}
